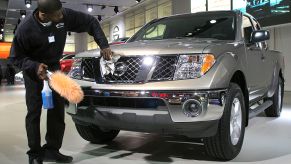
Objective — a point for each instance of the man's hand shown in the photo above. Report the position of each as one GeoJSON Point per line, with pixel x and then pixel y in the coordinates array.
{"type": "Point", "coordinates": [106, 53]}
{"type": "Point", "coordinates": [41, 72]}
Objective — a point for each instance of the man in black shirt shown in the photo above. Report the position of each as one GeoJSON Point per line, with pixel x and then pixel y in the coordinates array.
{"type": "Point", "coordinates": [10, 74]}
{"type": "Point", "coordinates": [1, 75]}
{"type": "Point", "coordinates": [38, 46]}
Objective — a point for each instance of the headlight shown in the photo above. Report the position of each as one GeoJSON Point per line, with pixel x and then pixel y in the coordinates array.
{"type": "Point", "coordinates": [76, 72]}
{"type": "Point", "coordinates": [193, 66]}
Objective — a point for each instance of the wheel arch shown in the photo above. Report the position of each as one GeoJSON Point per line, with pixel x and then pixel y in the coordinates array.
{"type": "Point", "coordinates": [239, 78]}
{"type": "Point", "coordinates": [278, 72]}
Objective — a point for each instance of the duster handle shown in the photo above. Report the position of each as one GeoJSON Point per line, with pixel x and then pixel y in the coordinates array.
{"type": "Point", "coordinates": [49, 74]}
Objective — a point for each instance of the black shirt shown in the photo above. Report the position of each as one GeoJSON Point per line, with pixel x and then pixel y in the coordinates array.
{"type": "Point", "coordinates": [31, 45]}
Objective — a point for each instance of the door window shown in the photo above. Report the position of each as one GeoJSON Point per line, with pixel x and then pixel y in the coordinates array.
{"type": "Point", "coordinates": [247, 29]}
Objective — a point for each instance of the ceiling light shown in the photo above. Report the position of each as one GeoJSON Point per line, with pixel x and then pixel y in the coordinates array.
{"type": "Point", "coordinates": [23, 13]}
{"type": "Point", "coordinates": [90, 8]}
{"type": "Point", "coordinates": [27, 3]}
{"type": "Point", "coordinates": [99, 18]}
{"type": "Point", "coordinates": [137, 1]}
{"type": "Point", "coordinates": [116, 10]}
{"type": "Point", "coordinates": [2, 29]}
{"type": "Point", "coordinates": [103, 7]}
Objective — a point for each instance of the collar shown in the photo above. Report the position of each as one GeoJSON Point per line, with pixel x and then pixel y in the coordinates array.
{"type": "Point", "coordinates": [46, 24]}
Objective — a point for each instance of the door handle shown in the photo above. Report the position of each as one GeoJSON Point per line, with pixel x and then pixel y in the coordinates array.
{"type": "Point", "coordinates": [252, 48]}
{"type": "Point", "coordinates": [263, 56]}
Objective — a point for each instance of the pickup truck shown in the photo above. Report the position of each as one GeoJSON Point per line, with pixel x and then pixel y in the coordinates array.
{"type": "Point", "coordinates": [200, 75]}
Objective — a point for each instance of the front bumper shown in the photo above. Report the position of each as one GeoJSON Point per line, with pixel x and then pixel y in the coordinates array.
{"type": "Point", "coordinates": [151, 111]}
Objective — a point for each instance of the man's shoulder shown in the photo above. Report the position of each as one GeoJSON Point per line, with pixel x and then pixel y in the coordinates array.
{"type": "Point", "coordinates": [71, 12]}
{"type": "Point", "coordinates": [26, 26]}
{"type": "Point", "coordinates": [67, 11]}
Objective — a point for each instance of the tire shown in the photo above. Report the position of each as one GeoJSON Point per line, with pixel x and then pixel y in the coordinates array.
{"type": "Point", "coordinates": [276, 109]}
{"type": "Point", "coordinates": [95, 135]}
{"type": "Point", "coordinates": [222, 146]}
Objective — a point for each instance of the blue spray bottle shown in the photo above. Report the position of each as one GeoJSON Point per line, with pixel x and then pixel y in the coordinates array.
{"type": "Point", "coordinates": [47, 96]}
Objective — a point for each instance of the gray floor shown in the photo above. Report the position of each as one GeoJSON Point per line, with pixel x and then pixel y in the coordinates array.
{"type": "Point", "coordinates": [267, 140]}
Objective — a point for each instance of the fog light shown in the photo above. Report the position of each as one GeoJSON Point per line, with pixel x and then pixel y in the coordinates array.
{"type": "Point", "coordinates": [192, 108]}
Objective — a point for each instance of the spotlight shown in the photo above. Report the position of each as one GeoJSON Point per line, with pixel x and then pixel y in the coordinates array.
{"type": "Point", "coordinates": [103, 7]}
{"type": "Point", "coordinates": [90, 8]}
{"type": "Point", "coordinates": [27, 3]}
{"type": "Point", "coordinates": [116, 10]}
{"type": "Point", "coordinates": [137, 1]}
{"type": "Point", "coordinates": [213, 21]}
{"type": "Point", "coordinates": [148, 61]}
{"type": "Point", "coordinates": [23, 13]}
{"type": "Point", "coordinates": [2, 29]}
{"type": "Point", "coordinates": [99, 18]}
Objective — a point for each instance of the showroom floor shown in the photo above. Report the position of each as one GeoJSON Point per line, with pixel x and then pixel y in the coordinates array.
{"type": "Point", "coordinates": [267, 140]}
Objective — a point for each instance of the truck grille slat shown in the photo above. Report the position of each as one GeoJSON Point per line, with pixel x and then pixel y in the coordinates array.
{"type": "Point", "coordinates": [116, 102]}
{"type": "Point", "coordinates": [88, 68]}
{"type": "Point", "coordinates": [133, 66]}
{"type": "Point", "coordinates": [165, 69]}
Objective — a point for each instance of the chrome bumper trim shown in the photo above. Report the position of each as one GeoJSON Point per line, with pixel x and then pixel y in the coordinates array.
{"type": "Point", "coordinates": [212, 101]}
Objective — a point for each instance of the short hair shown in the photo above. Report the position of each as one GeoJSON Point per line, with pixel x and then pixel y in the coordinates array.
{"type": "Point", "coordinates": [49, 6]}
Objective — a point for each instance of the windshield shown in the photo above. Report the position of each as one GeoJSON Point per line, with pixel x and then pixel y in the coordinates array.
{"type": "Point", "coordinates": [196, 26]}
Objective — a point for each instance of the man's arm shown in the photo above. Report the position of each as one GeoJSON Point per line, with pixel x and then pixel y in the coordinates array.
{"type": "Point", "coordinates": [18, 55]}
{"type": "Point", "coordinates": [19, 58]}
{"type": "Point", "coordinates": [81, 22]}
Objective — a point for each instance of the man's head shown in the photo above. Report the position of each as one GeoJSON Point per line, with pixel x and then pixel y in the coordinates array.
{"type": "Point", "coordinates": [50, 10]}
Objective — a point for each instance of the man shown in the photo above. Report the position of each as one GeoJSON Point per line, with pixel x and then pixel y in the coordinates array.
{"type": "Point", "coordinates": [37, 46]}
{"type": "Point", "coordinates": [1, 75]}
{"type": "Point", "coordinates": [10, 74]}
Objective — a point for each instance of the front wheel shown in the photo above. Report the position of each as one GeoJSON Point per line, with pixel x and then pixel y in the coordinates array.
{"type": "Point", "coordinates": [95, 135]}
{"type": "Point", "coordinates": [227, 142]}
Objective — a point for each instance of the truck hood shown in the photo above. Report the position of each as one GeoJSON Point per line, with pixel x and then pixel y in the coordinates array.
{"type": "Point", "coordinates": [158, 47]}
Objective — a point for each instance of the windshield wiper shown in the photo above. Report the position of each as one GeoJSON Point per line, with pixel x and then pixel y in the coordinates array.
{"type": "Point", "coordinates": [188, 37]}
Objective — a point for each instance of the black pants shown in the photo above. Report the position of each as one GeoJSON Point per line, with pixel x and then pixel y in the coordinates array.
{"type": "Point", "coordinates": [55, 118]}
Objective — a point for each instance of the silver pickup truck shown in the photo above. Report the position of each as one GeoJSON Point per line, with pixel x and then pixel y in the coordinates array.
{"type": "Point", "coordinates": [200, 75]}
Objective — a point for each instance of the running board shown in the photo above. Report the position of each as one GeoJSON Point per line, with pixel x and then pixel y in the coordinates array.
{"type": "Point", "coordinates": [254, 112]}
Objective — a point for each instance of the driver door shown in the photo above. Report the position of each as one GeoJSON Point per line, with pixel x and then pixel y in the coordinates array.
{"type": "Point", "coordinates": [255, 62]}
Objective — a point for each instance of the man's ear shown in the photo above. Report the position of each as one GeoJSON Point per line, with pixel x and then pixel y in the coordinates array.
{"type": "Point", "coordinates": [43, 16]}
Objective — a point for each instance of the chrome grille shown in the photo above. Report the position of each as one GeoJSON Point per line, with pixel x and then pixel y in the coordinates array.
{"type": "Point", "coordinates": [133, 65]}
{"type": "Point", "coordinates": [88, 66]}
{"type": "Point", "coordinates": [165, 68]}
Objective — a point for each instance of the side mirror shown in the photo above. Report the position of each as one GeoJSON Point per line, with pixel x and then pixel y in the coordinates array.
{"type": "Point", "coordinates": [260, 36]}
